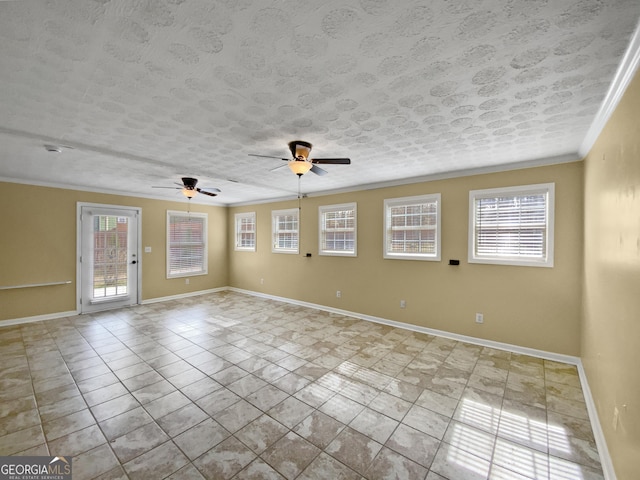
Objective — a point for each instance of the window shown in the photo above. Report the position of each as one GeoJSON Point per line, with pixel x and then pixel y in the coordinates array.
{"type": "Point", "coordinates": [412, 228]}
{"type": "Point", "coordinates": [246, 231]}
{"type": "Point", "coordinates": [285, 230]}
{"type": "Point", "coordinates": [186, 244]}
{"type": "Point", "coordinates": [338, 230]}
{"type": "Point", "coordinates": [512, 226]}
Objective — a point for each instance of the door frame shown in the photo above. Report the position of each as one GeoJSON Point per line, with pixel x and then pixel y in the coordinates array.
{"type": "Point", "coordinates": [138, 246]}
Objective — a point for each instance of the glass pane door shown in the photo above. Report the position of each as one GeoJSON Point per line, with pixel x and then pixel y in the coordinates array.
{"type": "Point", "coordinates": [109, 258]}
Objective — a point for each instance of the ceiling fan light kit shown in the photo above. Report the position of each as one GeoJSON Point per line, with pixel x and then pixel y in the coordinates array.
{"type": "Point", "coordinates": [189, 192]}
{"type": "Point", "coordinates": [299, 166]}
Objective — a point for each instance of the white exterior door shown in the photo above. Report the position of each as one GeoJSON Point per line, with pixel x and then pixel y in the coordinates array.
{"type": "Point", "coordinates": [109, 257]}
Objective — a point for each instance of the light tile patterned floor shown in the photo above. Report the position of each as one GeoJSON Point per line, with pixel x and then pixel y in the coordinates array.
{"type": "Point", "coordinates": [227, 385]}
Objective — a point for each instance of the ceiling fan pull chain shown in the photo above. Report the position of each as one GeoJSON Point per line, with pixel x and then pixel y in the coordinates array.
{"type": "Point", "coordinates": [299, 209]}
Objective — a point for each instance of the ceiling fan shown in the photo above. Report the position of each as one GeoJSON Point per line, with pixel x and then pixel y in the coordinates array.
{"type": "Point", "coordinates": [301, 163]}
{"type": "Point", "coordinates": [190, 190]}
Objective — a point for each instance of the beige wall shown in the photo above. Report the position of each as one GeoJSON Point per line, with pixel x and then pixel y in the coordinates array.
{"type": "Point", "coordinates": [527, 306]}
{"type": "Point", "coordinates": [38, 245]}
{"type": "Point", "coordinates": [611, 325]}
{"type": "Point", "coordinates": [532, 307]}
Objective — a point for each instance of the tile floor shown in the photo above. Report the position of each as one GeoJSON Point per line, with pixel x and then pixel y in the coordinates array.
{"type": "Point", "coordinates": [227, 385]}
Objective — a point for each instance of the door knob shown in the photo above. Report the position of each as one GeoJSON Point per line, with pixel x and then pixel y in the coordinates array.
{"type": "Point", "coordinates": [134, 262]}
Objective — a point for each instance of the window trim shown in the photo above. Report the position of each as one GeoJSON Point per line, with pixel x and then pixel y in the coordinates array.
{"type": "Point", "coordinates": [274, 216]}
{"type": "Point", "coordinates": [205, 242]}
{"type": "Point", "coordinates": [329, 208]}
{"type": "Point", "coordinates": [545, 188]}
{"type": "Point", "coordinates": [414, 200]}
{"type": "Point", "coordinates": [238, 218]}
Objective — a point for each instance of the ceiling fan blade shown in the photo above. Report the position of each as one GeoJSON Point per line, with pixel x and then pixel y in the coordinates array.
{"type": "Point", "coordinates": [318, 170]}
{"type": "Point", "coordinates": [268, 156]}
{"type": "Point", "coordinates": [332, 161]}
{"type": "Point", "coordinates": [278, 167]}
{"type": "Point", "coordinates": [212, 192]}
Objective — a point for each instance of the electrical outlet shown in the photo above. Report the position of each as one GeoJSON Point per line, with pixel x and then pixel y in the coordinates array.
{"type": "Point", "coordinates": [403, 304]}
{"type": "Point", "coordinates": [186, 281]}
{"type": "Point", "coordinates": [479, 318]}
{"type": "Point", "coordinates": [338, 294]}
{"type": "Point", "coordinates": [616, 414]}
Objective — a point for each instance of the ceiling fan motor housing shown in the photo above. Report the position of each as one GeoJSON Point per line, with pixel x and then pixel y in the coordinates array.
{"type": "Point", "coordinates": [189, 183]}
{"type": "Point", "coordinates": [300, 149]}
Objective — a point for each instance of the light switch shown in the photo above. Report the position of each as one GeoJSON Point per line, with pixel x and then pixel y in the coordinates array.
{"type": "Point", "coordinates": [147, 249]}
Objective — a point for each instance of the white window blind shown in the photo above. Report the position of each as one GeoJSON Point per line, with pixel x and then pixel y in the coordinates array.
{"type": "Point", "coordinates": [512, 226]}
{"type": "Point", "coordinates": [412, 228]}
{"type": "Point", "coordinates": [246, 231]}
{"type": "Point", "coordinates": [186, 244]}
{"type": "Point", "coordinates": [285, 230]}
{"type": "Point", "coordinates": [338, 229]}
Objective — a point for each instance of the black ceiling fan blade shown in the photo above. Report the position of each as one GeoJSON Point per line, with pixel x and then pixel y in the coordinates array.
{"type": "Point", "coordinates": [212, 192]}
{"type": "Point", "coordinates": [332, 161]}
{"type": "Point", "coordinates": [268, 156]}
{"type": "Point", "coordinates": [318, 170]}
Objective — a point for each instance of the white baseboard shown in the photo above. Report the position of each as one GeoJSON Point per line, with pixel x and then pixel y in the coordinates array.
{"type": "Point", "coordinates": [73, 313]}
{"type": "Point", "coordinates": [183, 295]}
{"type": "Point", "coordinates": [601, 443]}
{"type": "Point", "coordinates": [416, 328]}
{"type": "Point", "coordinates": [37, 318]}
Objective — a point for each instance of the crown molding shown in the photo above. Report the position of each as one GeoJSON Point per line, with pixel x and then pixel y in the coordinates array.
{"type": "Point", "coordinates": [625, 73]}
{"type": "Point", "coordinates": [467, 172]}
{"type": "Point", "coordinates": [179, 199]}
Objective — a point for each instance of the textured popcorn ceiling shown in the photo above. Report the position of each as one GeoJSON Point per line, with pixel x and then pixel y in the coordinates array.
{"type": "Point", "coordinates": [149, 91]}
